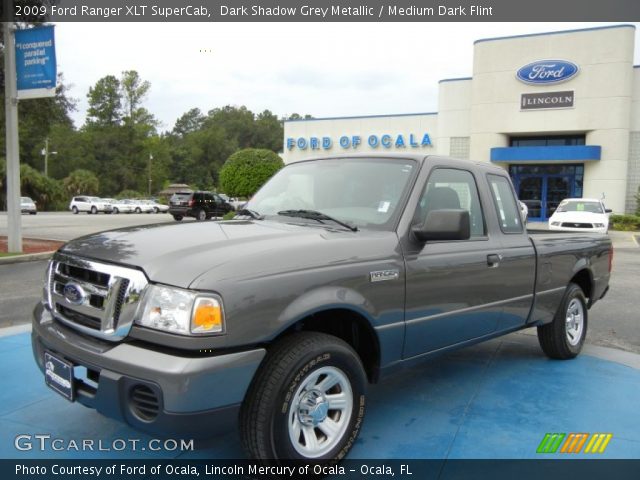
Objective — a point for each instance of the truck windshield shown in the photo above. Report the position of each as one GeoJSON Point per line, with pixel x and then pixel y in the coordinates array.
{"type": "Point", "coordinates": [363, 192]}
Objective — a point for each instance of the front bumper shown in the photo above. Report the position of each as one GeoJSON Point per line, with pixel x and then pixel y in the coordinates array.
{"type": "Point", "coordinates": [196, 395]}
{"type": "Point", "coordinates": [580, 230]}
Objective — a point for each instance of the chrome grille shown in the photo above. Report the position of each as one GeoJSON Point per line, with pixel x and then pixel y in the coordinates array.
{"type": "Point", "coordinates": [94, 297]}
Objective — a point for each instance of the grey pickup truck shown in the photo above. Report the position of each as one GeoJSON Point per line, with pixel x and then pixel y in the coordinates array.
{"type": "Point", "coordinates": [337, 272]}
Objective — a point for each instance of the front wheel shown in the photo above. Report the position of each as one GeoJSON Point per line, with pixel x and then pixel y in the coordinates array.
{"type": "Point", "coordinates": [564, 337]}
{"type": "Point", "coordinates": [94, 210]}
{"type": "Point", "coordinates": [74, 210]}
{"type": "Point", "coordinates": [306, 401]}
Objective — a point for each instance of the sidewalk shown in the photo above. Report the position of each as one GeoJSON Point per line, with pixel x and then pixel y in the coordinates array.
{"type": "Point", "coordinates": [493, 400]}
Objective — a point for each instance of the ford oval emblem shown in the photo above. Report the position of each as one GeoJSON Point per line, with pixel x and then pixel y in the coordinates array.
{"type": "Point", "coordinates": [74, 293]}
{"type": "Point", "coordinates": [543, 72]}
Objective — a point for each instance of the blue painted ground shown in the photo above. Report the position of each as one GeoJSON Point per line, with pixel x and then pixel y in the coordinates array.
{"type": "Point", "coordinates": [495, 400]}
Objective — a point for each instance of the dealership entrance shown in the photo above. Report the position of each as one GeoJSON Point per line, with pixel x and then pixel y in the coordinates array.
{"type": "Point", "coordinates": [543, 187]}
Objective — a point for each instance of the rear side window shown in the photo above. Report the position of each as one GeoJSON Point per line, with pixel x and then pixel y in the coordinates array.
{"type": "Point", "coordinates": [449, 188]}
{"type": "Point", "coordinates": [505, 203]}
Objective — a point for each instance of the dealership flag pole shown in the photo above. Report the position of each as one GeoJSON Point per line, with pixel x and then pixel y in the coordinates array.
{"type": "Point", "coordinates": [14, 220]}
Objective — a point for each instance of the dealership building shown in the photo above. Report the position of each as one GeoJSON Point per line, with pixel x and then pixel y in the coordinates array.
{"type": "Point", "coordinates": [559, 111]}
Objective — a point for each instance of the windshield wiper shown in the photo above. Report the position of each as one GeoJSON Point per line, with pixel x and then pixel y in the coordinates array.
{"type": "Point", "coordinates": [251, 213]}
{"type": "Point", "coordinates": [315, 215]}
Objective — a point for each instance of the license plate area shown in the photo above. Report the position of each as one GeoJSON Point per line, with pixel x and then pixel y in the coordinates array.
{"type": "Point", "coordinates": [58, 375]}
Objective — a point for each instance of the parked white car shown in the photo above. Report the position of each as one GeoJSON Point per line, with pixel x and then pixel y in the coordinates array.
{"type": "Point", "coordinates": [140, 206]}
{"type": "Point", "coordinates": [89, 205]}
{"type": "Point", "coordinates": [580, 215]}
{"type": "Point", "coordinates": [28, 206]}
{"type": "Point", "coordinates": [157, 207]}
{"type": "Point", "coordinates": [121, 206]}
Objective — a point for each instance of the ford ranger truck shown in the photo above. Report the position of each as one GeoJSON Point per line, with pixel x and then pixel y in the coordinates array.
{"type": "Point", "coordinates": [337, 272]}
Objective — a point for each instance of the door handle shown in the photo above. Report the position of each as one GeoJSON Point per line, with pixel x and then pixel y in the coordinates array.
{"type": "Point", "coordinates": [493, 260]}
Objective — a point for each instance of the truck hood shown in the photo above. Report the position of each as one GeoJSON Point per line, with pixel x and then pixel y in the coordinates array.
{"type": "Point", "coordinates": [177, 254]}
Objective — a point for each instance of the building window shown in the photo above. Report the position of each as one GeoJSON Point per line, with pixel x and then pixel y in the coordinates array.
{"type": "Point", "coordinates": [547, 141]}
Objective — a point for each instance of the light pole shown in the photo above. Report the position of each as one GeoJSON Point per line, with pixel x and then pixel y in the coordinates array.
{"type": "Point", "coordinates": [149, 173]}
{"type": "Point", "coordinates": [45, 152]}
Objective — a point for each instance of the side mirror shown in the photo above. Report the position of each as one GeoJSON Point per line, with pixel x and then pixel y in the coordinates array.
{"type": "Point", "coordinates": [444, 225]}
{"type": "Point", "coordinates": [608, 210]}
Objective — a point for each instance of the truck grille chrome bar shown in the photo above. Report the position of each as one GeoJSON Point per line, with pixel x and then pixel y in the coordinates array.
{"type": "Point", "coordinates": [95, 298]}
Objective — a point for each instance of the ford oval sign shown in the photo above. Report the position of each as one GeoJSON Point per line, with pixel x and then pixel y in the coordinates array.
{"type": "Point", "coordinates": [74, 293]}
{"type": "Point", "coordinates": [544, 72]}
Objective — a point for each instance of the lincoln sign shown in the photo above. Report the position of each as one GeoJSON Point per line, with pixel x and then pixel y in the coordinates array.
{"type": "Point", "coordinates": [536, 101]}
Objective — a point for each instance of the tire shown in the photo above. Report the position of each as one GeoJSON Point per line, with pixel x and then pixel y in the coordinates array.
{"type": "Point", "coordinates": [116, 211]}
{"type": "Point", "coordinates": [156, 210]}
{"type": "Point", "coordinates": [32, 213]}
{"type": "Point", "coordinates": [138, 210]}
{"type": "Point", "coordinates": [74, 209]}
{"type": "Point", "coordinates": [177, 218]}
{"type": "Point", "coordinates": [274, 423]}
{"type": "Point", "coordinates": [94, 210]}
{"type": "Point", "coordinates": [201, 215]}
{"type": "Point", "coordinates": [564, 337]}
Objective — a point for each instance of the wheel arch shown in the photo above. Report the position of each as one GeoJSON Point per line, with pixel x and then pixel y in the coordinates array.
{"type": "Point", "coordinates": [584, 279]}
{"type": "Point", "coordinates": [343, 320]}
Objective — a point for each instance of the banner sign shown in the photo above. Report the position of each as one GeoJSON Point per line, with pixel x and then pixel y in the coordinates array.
{"type": "Point", "coordinates": [36, 62]}
{"type": "Point", "coordinates": [537, 101]}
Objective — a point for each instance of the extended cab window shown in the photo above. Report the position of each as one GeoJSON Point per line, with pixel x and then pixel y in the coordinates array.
{"type": "Point", "coordinates": [505, 202]}
{"type": "Point", "coordinates": [449, 188]}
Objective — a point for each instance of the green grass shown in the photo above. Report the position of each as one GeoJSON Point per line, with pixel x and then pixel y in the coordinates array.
{"type": "Point", "coordinates": [5, 254]}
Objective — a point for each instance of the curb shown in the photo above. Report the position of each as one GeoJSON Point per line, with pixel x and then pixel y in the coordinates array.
{"type": "Point", "coordinates": [29, 257]}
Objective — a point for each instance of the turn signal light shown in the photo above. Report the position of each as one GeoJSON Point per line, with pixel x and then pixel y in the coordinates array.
{"type": "Point", "coordinates": [207, 316]}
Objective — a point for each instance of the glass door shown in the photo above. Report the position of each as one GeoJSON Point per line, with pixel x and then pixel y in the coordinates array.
{"type": "Point", "coordinates": [558, 188]}
{"type": "Point", "coordinates": [530, 192]}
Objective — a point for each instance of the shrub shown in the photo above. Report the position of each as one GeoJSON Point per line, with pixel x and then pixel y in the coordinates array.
{"type": "Point", "coordinates": [624, 222]}
{"type": "Point", "coordinates": [247, 170]}
{"type": "Point", "coordinates": [129, 194]}
{"type": "Point", "coordinates": [229, 215]}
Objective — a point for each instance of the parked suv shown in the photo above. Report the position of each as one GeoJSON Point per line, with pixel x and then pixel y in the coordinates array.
{"type": "Point", "coordinates": [89, 205]}
{"type": "Point", "coordinates": [200, 205]}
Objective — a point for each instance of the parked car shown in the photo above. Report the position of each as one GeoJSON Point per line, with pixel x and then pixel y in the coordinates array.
{"type": "Point", "coordinates": [121, 206]}
{"type": "Point", "coordinates": [89, 204]}
{"type": "Point", "coordinates": [140, 206]}
{"type": "Point", "coordinates": [201, 205]}
{"type": "Point", "coordinates": [28, 206]}
{"type": "Point", "coordinates": [281, 319]}
{"type": "Point", "coordinates": [580, 215]}
{"type": "Point", "coordinates": [157, 207]}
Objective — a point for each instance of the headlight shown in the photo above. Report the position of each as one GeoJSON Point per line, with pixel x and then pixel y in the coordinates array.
{"type": "Point", "coordinates": [555, 224]}
{"type": "Point", "coordinates": [181, 311]}
{"type": "Point", "coordinates": [598, 225]}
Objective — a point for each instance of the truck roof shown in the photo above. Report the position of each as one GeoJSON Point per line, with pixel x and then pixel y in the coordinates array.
{"type": "Point", "coordinates": [420, 158]}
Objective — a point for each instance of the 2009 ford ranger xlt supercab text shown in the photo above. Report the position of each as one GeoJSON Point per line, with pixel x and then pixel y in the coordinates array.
{"type": "Point", "coordinates": [338, 271]}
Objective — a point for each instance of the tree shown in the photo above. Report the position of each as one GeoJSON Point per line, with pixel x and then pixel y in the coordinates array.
{"type": "Point", "coordinates": [189, 122]}
{"type": "Point", "coordinates": [247, 170]}
{"type": "Point", "coordinates": [81, 182]}
{"type": "Point", "coordinates": [105, 106]}
{"type": "Point", "coordinates": [46, 191]}
{"type": "Point", "coordinates": [133, 92]}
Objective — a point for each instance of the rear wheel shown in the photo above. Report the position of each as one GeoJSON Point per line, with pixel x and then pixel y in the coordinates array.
{"type": "Point", "coordinates": [74, 209]}
{"type": "Point", "coordinates": [564, 337]}
{"type": "Point", "coordinates": [306, 402]}
{"type": "Point", "coordinates": [177, 218]}
{"type": "Point", "coordinates": [115, 210]}
{"type": "Point", "coordinates": [201, 215]}
{"type": "Point", "coordinates": [138, 210]}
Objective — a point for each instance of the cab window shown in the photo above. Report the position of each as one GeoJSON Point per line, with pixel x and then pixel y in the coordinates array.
{"type": "Point", "coordinates": [449, 188]}
{"type": "Point", "coordinates": [505, 203]}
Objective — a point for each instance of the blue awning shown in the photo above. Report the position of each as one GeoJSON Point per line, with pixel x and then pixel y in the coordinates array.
{"type": "Point", "coordinates": [546, 154]}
